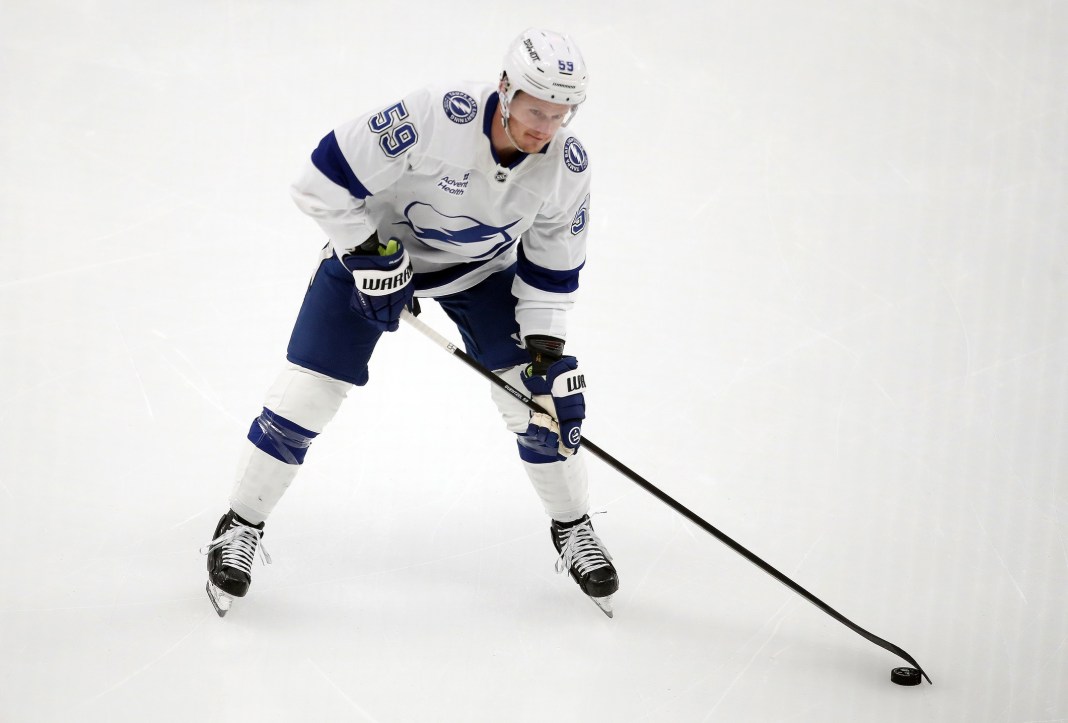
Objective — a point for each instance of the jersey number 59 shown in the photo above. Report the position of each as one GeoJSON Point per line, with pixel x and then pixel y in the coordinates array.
{"type": "Point", "coordinates": [395, 135]}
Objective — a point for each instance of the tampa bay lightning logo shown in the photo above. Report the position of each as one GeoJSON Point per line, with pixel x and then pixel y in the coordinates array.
{"type": "Point", "coordinates": [459, 107]}
{"type": "Point", "coordinates": [575, 155]}
{"type": "Point", "coordinates": [582, 217]}
{"type": "Point", "coordinates": [460, 234]}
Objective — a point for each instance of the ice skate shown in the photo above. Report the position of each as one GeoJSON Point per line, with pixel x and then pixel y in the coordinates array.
{"type": "Point", "coordinates": [230, 556]}
{"type": "Point", "coordinates": [584, 555]}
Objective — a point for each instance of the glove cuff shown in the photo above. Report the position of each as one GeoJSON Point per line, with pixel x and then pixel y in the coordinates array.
{"type": "Point", "coordinates": [544, 351]}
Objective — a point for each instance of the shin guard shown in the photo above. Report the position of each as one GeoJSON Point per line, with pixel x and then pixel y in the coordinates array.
{"type": "Point", "coordinates": [297, 408]}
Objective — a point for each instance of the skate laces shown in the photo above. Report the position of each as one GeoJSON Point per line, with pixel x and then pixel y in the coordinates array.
{"type": "Point", "coordinates": [240, 544]}
{"type": "Point", "coordinates": [581, 548]}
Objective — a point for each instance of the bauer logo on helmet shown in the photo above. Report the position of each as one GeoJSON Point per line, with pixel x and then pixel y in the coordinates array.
{"type": "Point", "coordinates": [529, 45]}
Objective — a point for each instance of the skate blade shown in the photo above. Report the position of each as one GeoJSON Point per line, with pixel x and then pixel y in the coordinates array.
{"type": "Point", "coordinates": [220, 600]}
{"type": "Point", "coordinates": [604, 603]}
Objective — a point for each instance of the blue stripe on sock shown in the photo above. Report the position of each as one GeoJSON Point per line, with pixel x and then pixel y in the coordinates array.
{"type": "Point", "coordinates": [280, 438]}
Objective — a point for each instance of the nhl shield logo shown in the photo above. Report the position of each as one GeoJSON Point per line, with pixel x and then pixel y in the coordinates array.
{"type": "Point", "coordinates": [459, 107]}
{"type": "Point", "coordinates": [575, 155]}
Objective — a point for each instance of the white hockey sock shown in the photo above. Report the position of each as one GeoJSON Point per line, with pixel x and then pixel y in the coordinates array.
{"type": "Point", "coordinates": [300, 397]}
{"type": "Point", "coordinates": [562, 486]}
{"type": "Point", "coordinates": [261, 482]}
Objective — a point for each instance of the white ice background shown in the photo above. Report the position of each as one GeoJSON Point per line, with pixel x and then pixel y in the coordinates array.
{"type": "Point", "coordinates": [825, 307]}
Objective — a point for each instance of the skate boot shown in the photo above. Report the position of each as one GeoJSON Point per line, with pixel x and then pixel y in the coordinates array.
{"type": "Point", "coordinates": [585, 556]}
{"type": "Point", "coordinates": [230, 556]}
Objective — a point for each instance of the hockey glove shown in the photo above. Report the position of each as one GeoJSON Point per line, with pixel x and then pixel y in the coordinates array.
{"type": "Point", "coordinates": [558, 391]}
{"type": "Point", "coordinates": [383, 277]}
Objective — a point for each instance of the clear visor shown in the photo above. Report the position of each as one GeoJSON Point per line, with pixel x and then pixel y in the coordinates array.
{"type": "Point", "coordinates": [540, 115]}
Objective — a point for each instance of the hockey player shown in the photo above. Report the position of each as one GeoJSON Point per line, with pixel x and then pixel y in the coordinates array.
{"type": "Point", "coordinates": [476, 196]}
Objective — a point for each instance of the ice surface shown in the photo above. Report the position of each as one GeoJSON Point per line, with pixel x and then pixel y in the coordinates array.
{"type": "Point", "coordinates": [825, 306]}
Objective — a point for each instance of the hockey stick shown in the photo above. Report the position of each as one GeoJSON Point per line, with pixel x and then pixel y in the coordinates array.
{"type": "Point", "coordinates": [663, 497]}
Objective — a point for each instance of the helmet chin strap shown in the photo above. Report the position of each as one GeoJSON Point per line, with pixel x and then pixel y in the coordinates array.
{"type": "Point", "coordinates": [504, 125]}
{"type": "Point", "coordinates": [507, 132]}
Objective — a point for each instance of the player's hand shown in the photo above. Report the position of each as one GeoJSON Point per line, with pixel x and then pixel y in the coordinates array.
{"type": "Point", "coordinates": [558, 391]}
{"type": "Point", "coordinates": [383, 277]}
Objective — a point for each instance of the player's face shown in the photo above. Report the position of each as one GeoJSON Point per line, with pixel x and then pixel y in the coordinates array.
{"type": "Point", "coordinates": [533, 122]}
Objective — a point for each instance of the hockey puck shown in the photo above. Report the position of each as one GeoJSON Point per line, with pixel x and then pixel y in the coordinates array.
{"type": "Point", "coordinates": [905, 676]}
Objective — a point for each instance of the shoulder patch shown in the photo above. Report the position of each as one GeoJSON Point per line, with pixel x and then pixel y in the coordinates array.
{"type": "Point", "coordinates": [459, 107]}
{"type": "Point", "coordinates": [575, 155]}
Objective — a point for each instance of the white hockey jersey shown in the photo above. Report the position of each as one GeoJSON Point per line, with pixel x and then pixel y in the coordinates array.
{"type": "Point", "coordinates": [423, 171]}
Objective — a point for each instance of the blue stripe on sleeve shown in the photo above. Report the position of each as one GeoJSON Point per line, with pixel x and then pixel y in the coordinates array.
{"type": "Point", "coordinates": [329, 159]}
{"type": "Point", "coordinates": [558, 282]}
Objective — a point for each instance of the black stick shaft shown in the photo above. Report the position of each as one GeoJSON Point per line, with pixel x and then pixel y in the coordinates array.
{"type": "Point", "coordinates": [665, 498]}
